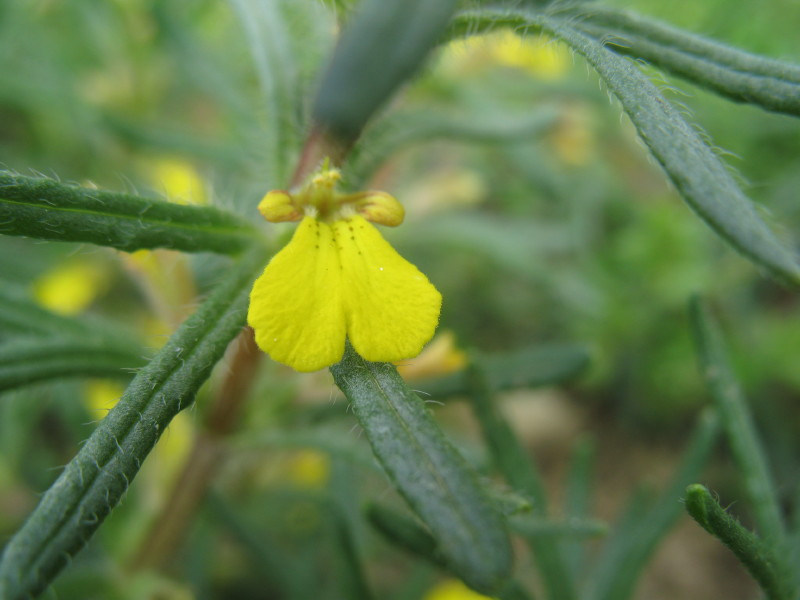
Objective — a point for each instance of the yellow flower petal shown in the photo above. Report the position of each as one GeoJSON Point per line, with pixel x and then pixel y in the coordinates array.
{"type": "Point", "coordinates": [391, 308]}
{"type": "Point", "coordinates": [296, 306]}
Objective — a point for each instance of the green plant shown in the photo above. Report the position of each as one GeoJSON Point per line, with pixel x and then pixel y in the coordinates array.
{"type": "Point", "coordinates": [459, 521]}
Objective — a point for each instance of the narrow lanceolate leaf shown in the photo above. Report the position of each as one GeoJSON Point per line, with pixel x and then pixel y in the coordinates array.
{"type": "Point", "coordinates": [629, 551]}
{"type": "Point", "coordinates": [27, 361]}
{"type": "Point", "coordinates": [93, 482]}
{"type": "Point", "coordinates": [46, 209]}
{"type": "Point", "coordinates": [698, 174]}
{"type": "Point", "coordinates": [406, 533]}
{"type": "Point", "coordinates": [511, 459]}
{"type": "Point", "coordinates": [668, 36]}
{"type": "Point", "coordinates": [769, 92]}
{"type": "Point", "coordinates": [429, 473]}
{"type": "Point", "coordinates": [382, 46]}
{"type": "Point", "coordinates": [574, 528]}
{"type": "Point", "coordinates": [757, 556]}
{"type": "Point", "coordinates": [737, 423]}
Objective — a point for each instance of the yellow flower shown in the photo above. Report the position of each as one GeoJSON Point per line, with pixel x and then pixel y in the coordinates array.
{"type": "Point", "coordinates": [453, 589]}
{"type": "Point", "coordinates": [441, 357]}
{"type": "Point", "coordinates": [180, 181]}
{"type": "Point", "coordinates": [71, 287]}
{"type": "Point", "coordinates": [338, 278]}
{"type": "Point", "coordinates": [310, 469]}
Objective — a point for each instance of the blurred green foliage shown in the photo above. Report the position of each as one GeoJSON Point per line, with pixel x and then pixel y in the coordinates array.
{"type": "Point", "coordinates": [568, 233]}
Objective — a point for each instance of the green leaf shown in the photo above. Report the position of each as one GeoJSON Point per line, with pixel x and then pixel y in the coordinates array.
{"type": "Point", "coordinates": [95, 480]}
{"type": "Point", "coordinates": [27, 361]}
{"type": "Point", "coordinates": [697, 59]}
{"type": "Point", "coordinates": [738, 424]}
{"type": "Point", "coordinates": [701, 178]}
{"type": "Point", "coordinates": [760, 559]}
{"type": "Point", "coordinates": [578, 495]}
{"type": "Point", "coordinates": [630, 549]}
{"type": "Point", "coordinates": [47, 209]}
{"type": "Point", "coordinates": [405, 533]}
{"type": "Point", "coordinates": [530, 367]}
{"type": "Point", "coordinates": [698, 174]}
{"type": "Point", "coordinates": [382, 46]}
{"type": "Point", "coordinates": [351, 573]}
{"type": "Point", "coordinates": [409, 535]}
{"type": "Point", "coordinates": [668, 35]}
{"type": "Point", "coordinates": [428, 472]}
{"type": "Point", "coordinates": [567, 528]}
{"type": "Point", "coordinates": [512, 461]}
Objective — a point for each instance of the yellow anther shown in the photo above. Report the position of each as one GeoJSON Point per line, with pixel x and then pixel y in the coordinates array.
{"type": "Point", "coordinates": [278, 206]}
{"type": "Point", "coordinates": [380, 207]}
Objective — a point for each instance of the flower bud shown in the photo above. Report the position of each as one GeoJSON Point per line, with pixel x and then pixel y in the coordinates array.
{"type": "Point", "coordinates": [381, 208]}
{"type": "Point", "coordinates": [278, 206]}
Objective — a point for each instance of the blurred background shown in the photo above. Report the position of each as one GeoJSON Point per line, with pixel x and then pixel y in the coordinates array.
{"type": "Point", "coordinates": [530, 204]}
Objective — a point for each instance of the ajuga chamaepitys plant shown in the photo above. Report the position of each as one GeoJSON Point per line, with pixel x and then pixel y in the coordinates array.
{"type": "Point", "coordinates": [198, 403]}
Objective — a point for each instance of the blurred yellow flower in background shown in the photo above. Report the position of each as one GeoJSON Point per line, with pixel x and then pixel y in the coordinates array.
{"type": "Point", "coordinates": [179, 180]}
{"type": "Point", "coordinates": [101, 396]}
{"type": "Point", "coordinates": [453, 589]}
{"type": "Point", "coordinates": [441, 357]}
{"type": "Point", "coordinates": [70, 287]}
{"type": "Point", "coordinates": [310, 469]}
{"type": "Point", "coordinates": [538, 55]}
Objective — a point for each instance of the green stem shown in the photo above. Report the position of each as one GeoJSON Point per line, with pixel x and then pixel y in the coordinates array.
{"type": "Point", "coordinates": [759, 559]}
{"type": "Point", "coordinates": [737, 423]}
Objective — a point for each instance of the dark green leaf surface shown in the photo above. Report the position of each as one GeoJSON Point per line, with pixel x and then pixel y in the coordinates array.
{"type": "Point", "coordinates": [567, 528]}
{"type": "Point", "coordinates": [382, 46]}
{"type": "Point", "coordinates": [27, 361]}
{"type": "Point", "coordinates": [738, 423]}
{"type": "Point", "coordinates": [94, 481]}
{"type": "Point", "coordinates": [667, 36]}
{"type": "Point", "coordinates": [428, 472]}
{"type": "Point", "coordinates": [760, 559]}
{"type": "Point", "coordinates": [406, 533]}
{"type": "Point", "coordinates": [46, 209]}
{"type": "Point", "coordinates": [770, 93]}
